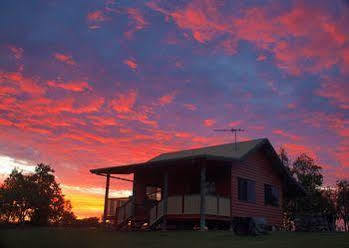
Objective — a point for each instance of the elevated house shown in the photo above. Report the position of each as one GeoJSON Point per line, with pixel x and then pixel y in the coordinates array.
{"type": "Point", "coordinates": [202, 187]}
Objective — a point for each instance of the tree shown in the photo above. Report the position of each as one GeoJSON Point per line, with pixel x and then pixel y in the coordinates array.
{"type": "Point", "coordinates": [307, 172]}
{"type": "Point", "coordinates": [67, 218]}
{"type": "Point", "coordinates": [343, 202]}
{"type": "Point", "coordinates": [17, 195]}
{"type": "Point", "coordinates": [49, 200]}
{"type": "Point", "coordinates": [317, 199]}
{"type": "Point", "coordinates": [35, 197]}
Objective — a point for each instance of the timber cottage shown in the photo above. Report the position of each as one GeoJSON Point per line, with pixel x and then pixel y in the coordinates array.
{"type": "Point", "coordinates": [202, 187]}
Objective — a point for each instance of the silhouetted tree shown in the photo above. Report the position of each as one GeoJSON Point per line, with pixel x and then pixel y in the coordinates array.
{"type": "Point", "coordinates": [343, 202]}
{"type": "Point", "coordinates": [35, 197]}
{"type": "Point", "coordinates": [17, 197]}
{"type": "Point", "coordinates": [318, 200]}
{"type": "Point", "coordinates": [67, 218]}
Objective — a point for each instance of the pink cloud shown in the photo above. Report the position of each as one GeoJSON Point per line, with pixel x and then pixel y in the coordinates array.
{"type": "Point", "coordinates": [16, 80]}
{"type": "Point", "coordinates": [131, 63]}
{"type": "Point", "coordinates": [209, 122]}
{"type": "Point", "coordinates": [17, 52]}
{"type": "Point", "coordinates": [261, 57]}
{"type": "Point", "coordinates": [167, 99]}
{"type": "Point", "coordinates": [96, 16]}
{"type": "Point", "coordinates": [191, 107]}
{"type": "Point", "coordinates": [235, 123]}
{"type": "Point", "coordinates": [124, 102]}
{"type": "Point", "coordinates": [317, 37]}
{"type": "Point", "coordinates": [76, 86]}
{"type": "Point", "coordinates": [67, 59]}
{"type": "Point", "coordinates": [286, 135]}
{"type": "Point", "coordinates": [336, 92]}
{"type": "Point", "coordinates": [296, 150]}
{"type": "Point", "coordinates": [137, 22]}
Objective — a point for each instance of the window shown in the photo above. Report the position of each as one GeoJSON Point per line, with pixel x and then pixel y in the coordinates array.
{"type": "Point", "coordinates": [271, 195]}
{"type": "Point", "coordinates": [246, 190]}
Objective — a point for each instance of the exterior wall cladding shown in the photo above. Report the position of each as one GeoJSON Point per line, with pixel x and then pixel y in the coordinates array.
{"type": "Point", "coordinates": [257, 168]}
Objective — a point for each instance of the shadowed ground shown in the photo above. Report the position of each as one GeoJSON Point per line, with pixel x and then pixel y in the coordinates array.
{"type": "Point", "coordinates": [67, 238]}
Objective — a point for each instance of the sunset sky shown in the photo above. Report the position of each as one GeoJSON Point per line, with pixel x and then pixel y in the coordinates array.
{"type": "Point", "coordinates": [96, 83]}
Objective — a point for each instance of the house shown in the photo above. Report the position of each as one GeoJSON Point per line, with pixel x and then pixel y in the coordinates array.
{"type": "Point", "coordinates": [207, 186]}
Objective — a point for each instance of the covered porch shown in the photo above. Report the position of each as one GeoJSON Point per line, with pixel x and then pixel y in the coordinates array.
{"type": "Point", "coordinates": [193, 190]}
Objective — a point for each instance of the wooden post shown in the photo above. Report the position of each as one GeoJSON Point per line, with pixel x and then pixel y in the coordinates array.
{"type": "Point", "coordinates": [165, 200]}
{"type": "Point", "coordinates": [134, 196]}
{"type": "Point", "coordinates": [106, 199]}
{"type": "Point", "coordinates": [202, 197]}
{"type": "Point", "coordinates": [231, 200]}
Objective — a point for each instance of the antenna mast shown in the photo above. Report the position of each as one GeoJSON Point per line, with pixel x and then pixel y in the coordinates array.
{"type": "Point", "coordinates": [234, 131]}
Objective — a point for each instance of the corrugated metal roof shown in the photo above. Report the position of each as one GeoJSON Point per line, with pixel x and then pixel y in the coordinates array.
{"type": "Point", "coordinates": [225, 150]}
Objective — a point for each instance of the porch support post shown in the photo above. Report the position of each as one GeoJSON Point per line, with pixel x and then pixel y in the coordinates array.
{"type": "Point", "coordinates": [203, 196]}
{"type": "Point", "coordinates": [106, 199]}
{"type": "Point", "coordinates": [164, 227]}
{"type": "Point", "coordinates": [134, 195]}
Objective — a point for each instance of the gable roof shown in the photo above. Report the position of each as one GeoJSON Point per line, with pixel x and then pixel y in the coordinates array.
{"type": "Point", "coordinates": [230, 150]}
{"type": "Point", "coordinates": [225, 152]}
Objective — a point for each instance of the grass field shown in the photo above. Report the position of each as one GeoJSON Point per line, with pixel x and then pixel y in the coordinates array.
{"type": "Point", "coordinates": [66, 238]}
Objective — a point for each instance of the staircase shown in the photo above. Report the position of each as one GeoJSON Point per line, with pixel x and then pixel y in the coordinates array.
{"type": "Point", "coordinates": [125, 219]}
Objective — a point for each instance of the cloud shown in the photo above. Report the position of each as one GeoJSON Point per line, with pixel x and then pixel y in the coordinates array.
{"type": "Point", "coordinates": [209, 122]}
{"type": "Point", "coordinates": [124, 102]}
{"type": "Point", "coordinates": [16, 80]}
{"type": "Point", "coordinates": [167, 99]}
{"type": "Point", "coordinates": [299, 42]}
{"type": "Point", "coordinates": [137, 22]}
{"type": "Point", "coordinates": [191, 107]}
{"type": "Point", "coordinates": [76, 86]}
{"type": "Point", "coordinates": [17, 52]}
{"type": "Point", "coordinates": [286, 135]}
{"type": "Point", "coordinates": [131, 63]}
{"type": "Point", "coordinates": [64, 58]}
{"type": "Point", "coordinates": [7, 164]}
{"type": "Point", "coordinates": [336, 92]}
{"type": "Point", "coordinates": [96, 16]}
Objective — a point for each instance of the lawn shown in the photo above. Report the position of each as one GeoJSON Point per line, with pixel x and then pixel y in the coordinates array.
{"type": "Point", "coordinates": [66, 238]}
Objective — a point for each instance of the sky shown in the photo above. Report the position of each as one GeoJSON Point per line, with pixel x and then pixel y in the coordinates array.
{"type": "Point", "coordinates": [95, 83]}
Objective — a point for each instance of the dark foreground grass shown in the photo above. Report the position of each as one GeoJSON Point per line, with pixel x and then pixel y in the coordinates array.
{"type": "Point", "coordinates": [67, 238]}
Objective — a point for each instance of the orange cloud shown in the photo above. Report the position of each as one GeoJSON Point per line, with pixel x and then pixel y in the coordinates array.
{"type": "Point", "coordinates": [138, 22]}
{"type": "Point", "coordinates": [124, 102]}
{"type": "Point", "coordinates": [209, 122]}
{"type": "Point", "coordinates": [167, 99]}
{"type": "Point", "coordinates": [336, 92]}
{"type": "Point", "coordinates": [24, 84]}
{"type": "Point", "coordinates": [71, 86]}
{"type": "Point", "coordinates": [191, 107]}
{"type": "Point", "coordinates": [235, 123]}
{"type": "Point", "coordinates": [261, 57]}
{"type": "Point", "coordinates": [96, 16]}
{"type": "Point", "coordinates": [296, 150]}
{"type": "Point", "coordinates": [317, 37]}
{"type": "Point", "coordinates": [286, 135]}
{"type": "Point", "coordinates": [67, 59]}
{"type": "Point", "coordinates": [131, 63]}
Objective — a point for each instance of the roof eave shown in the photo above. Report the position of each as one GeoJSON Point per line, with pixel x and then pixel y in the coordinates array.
{"type": "Point", "coordinates": [131, 168]}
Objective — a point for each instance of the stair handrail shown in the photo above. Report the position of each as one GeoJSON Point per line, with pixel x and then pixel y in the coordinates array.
{"type": "Point", "coordinates": [123, 207]}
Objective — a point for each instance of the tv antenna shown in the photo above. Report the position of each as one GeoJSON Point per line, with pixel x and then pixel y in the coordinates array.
{"type": "Point", "coordinates": [233, 130]}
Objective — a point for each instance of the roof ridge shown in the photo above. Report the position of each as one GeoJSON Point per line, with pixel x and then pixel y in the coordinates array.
{"type": "Point", "coordinates": [207, 147]}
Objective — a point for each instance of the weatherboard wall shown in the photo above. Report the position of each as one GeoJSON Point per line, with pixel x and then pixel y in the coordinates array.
{"type": "Point", "coordinates": [258, 168]}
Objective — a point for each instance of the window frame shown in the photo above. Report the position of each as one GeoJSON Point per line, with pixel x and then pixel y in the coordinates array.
{"type": "Point", "coordinates": [269, 201]}
{"type": "Point", "coordinates": [250, 195]}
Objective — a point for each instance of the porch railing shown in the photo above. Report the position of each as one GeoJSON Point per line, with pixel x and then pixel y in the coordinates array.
{"type": "Point", "coordinates": [190, 204]}
{"type": "Point", "coordinates": [124, 212]}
